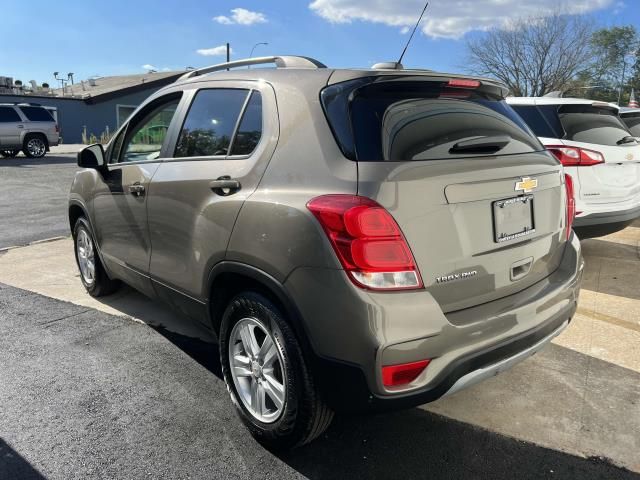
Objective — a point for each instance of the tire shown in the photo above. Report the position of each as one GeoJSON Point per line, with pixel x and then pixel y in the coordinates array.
{"type": "Point", "coordinates": [35, 146]}
{"type": "Point", "coordinates": [95, 279]}
{"type": "Point", "coordinates": [9, 153]}
{"type": "Point", "coordinates": [303, 415]}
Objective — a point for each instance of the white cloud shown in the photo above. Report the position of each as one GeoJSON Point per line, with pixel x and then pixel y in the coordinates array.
{"type": "Point", "coordinates": [241, 16]}
{"type": "Point", "coordinates": [213, 52]}
{"type": "Point", "coordinates": [450, 18]}
{"type": "Point", "coordinates": [148, 66]}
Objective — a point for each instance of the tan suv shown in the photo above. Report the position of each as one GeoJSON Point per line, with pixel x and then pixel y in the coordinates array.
{"type": "Point", "coordinates": [357, 239]}
{"type": "Point", "coordinates": [26, 127]}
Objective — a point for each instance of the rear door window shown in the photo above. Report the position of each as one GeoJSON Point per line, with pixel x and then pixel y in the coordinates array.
{"type": "Point", "coordinates": [210, 123]}
{"type": "Point", "coordinates": [589, 124]}
{"type": "Point", "coordinates": [250, 128]}
{"type": "Point", "coordinates": [419, 120]}
{"type": "Point", "coordinates": [8, 114]}
{"type": "Point", "coordinates": [37, 114]}
{"type": "Point", "coordinates": [538, 120]}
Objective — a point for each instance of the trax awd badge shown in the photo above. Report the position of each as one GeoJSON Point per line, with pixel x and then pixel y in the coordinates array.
{"type": "Point", "coordinates": [456, 276]}
{"type": "Point", "coordinates": [526, 185]}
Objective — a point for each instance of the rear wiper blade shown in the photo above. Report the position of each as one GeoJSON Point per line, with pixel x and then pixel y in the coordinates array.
{"type": "Point", "coordinates": [481, 144]}
{"type": "Point", "coordinates": [626, 139]}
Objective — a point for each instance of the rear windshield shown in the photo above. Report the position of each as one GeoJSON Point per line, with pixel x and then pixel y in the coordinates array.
{"type": "Point", "coordinates": [37, 114]}
{"type": "Point", "coordinates": [420, 120]}
{"type": "Point", "coordinates": [633, 123]}
{"type": "Point", "coordinates": [589, 124]}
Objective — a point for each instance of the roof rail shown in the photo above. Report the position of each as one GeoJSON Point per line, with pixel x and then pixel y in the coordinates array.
{"type": "Point", "coordinates": [284, 61]}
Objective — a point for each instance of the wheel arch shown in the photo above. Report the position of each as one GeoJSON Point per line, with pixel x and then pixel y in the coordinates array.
{"type": "Point", "coordinates": [31, 133]}
{"type": "Point", "coordinates": [229, 278]}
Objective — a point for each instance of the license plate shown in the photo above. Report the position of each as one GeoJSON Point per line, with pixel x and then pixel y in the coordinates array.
{"type": "Point", "coordinates": [513, 218]}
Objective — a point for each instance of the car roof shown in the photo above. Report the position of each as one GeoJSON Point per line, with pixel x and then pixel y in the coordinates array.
{"type": "Point", "coordinates": [629, 110]}
{"type": "Point", "coordinates": [557, 101]}
{"type": "Point", "coordinates": [326, 75]}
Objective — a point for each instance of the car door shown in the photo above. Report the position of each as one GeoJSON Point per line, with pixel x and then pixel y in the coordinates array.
{"type": "Point", "coordinates": [10, 127]}
{"type": "Point", "coordinates": [227, 138]}
{"type": "Point", "coordinates": [120, 202]}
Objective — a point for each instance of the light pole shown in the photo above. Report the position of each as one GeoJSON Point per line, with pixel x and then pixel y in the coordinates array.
{"type": "Point", "coordinates": [624, 69]}
{"type": "Point", "coordinates": [253, 48]}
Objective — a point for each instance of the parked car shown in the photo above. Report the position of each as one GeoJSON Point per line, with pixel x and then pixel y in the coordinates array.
{"type": "Point", "coordinates": [26, 127]}
{"type": "Point", "coordinates": [597, 150]}
{"type": "Point", "coordinates": [358, 240]}
{"type": "Point", "coordinates": [631, 118]}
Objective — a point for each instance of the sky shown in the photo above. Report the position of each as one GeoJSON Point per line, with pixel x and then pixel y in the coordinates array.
{"type": "Point", "coordinates": [115, 37]}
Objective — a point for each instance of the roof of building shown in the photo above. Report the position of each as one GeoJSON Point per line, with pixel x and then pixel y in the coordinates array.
{"type": "Point", "coordinates": [120, 84]}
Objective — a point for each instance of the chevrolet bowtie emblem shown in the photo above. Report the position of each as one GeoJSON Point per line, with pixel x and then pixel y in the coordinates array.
{"type": "Point", "coordinates": [526, 184]}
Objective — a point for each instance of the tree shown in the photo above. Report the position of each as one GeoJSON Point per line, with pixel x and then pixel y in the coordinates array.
{"type": "Point", "coordinates": [615, 64]}
{"type": "Point", "coordinates": [534, 56]}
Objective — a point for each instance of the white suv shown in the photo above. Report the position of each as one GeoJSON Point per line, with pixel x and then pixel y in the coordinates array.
{"type": "Point", "coordinates": [597, 150]}
{"type": "Point", "coordinates": [26, 127]}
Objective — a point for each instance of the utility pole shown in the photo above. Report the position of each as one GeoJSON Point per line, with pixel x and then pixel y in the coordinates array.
{"type": "Point", "coordinates": [228, 54]}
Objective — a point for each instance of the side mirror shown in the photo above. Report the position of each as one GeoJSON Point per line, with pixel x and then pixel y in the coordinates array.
{"type": "Point", "coordinates": [92, 157]}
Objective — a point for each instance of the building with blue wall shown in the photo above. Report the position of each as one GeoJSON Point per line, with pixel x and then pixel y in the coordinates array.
{"type": "Point", "coordinates": [94, 106]}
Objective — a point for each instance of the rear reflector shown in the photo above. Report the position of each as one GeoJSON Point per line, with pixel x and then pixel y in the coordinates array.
{"type": "Point", "coordinates": [395, 375]}
{"type": "Point", "coordinates": [367, 241]}
{"type": "Point", "coordinates": [575, 157]}
{"type": "Point", "coordinates": [464, 83]}
{"type": "Point", "coordinates": [571, 203]}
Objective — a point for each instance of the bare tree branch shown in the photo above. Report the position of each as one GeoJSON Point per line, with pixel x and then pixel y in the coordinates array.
{"type": "Point", "coordinates": [534, 56]}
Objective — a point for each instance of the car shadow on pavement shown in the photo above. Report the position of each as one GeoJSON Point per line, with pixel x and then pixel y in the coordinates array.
{"type": "Point", "coordinates": [416, 444]}
{"type": "Point", "coordinates": [13, 465]}
{"type": "Point", "coordinates": [30, 162]}
{"type": "Point", "coordinates": [419, 444]}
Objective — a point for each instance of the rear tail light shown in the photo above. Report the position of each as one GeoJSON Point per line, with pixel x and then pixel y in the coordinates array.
{"type": "Point", "coordinates": [395, 375]}
{"type": "Point", "coordinates": [367, 241]}
{"type": "Point", "coordinates": [576, 157]}
{"type": "Point", "coordinates": [571, 203]}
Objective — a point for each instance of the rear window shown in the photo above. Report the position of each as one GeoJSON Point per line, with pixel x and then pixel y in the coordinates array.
{"type": "Point", "coordinates": [543, 120]}
{"type": "Point", "coordinates": [37, 114]}
{"type": "Point", "coordinates": [633, 123]}
{"type": "Point", "coordinates": [589, 124]}
{"type": "Point", "coordinates": [418, 120]}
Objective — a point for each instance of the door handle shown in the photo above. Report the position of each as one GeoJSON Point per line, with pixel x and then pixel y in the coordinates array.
{"type": "Point", "coordinates": [136, 189]}
{"type": "Point", "coordinates": [225, 186]}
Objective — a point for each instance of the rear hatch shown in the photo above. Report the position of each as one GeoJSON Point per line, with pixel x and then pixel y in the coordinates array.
{"type": "Point", "coordinates": [479, 201]}
{"type": "Point", "coordinates": [598, 127]}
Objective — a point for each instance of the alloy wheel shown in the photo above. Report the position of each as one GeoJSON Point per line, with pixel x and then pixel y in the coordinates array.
{"type": "Point", "coordinates": [86, 256]}
{"type": "Point", "coordinates": [257, 369]}
{"type": "Point", "coordinates": [36, 147]}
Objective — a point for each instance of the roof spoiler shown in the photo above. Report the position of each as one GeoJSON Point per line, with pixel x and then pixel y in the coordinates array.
{"type": "Point", "coordinates": [284, 61]}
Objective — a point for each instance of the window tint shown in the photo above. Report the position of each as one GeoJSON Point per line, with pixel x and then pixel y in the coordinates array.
{"type": "Point", "coordinates": [250, 129]}
{"type": "Point", "coordinates": [536, 121]}
{"type": "Point", "coordinates": [418, 120]}
{"type": "Point", "coordinates": [8, 114]}
{"type": "Point", "coordinates": [550, 113]}
{"type": "Point", "coordinates": [37, 114]}
{"type": "Point", "coordinates": [585, 123]}
{"type": "Point", "coordinates": [633, 122]}
{"type": "Point", "coordinates": [116, 146]}
{"type": "Point", "coordinates": [210, 123]}
{"type": "Point", "coordinates": [147, 132]}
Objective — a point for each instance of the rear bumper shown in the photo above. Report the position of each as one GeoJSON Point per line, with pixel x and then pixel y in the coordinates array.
{"type": "Point", "coordinates": [353, 336]}
{"type": "Point", "coordinates": [617, 216]}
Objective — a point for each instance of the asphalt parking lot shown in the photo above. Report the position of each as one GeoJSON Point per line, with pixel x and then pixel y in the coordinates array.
{"type": "Point", "coordinates": [24, 180]}
{"type": "Point", "coordinates": [124, 388]}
